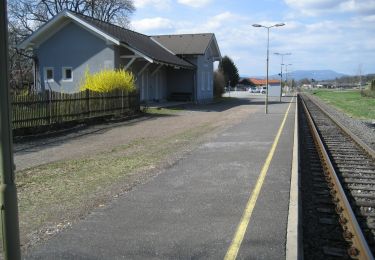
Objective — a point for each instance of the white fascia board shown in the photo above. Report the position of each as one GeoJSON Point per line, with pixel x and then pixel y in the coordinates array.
{"type": "Point", "coordinates": [92, 28]}
{"type": "Point", "coordinates": [138, 53]}
{"type": "Point", "coordinates": [213, 39]}
{"type": "Point", "coordinates": [28, 43]}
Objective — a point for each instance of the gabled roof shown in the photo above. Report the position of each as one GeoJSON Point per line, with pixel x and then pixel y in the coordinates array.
{"type": "Point", "coordinates": [141, 44]}
{"type": "Point", "coordinates": [188, 44]}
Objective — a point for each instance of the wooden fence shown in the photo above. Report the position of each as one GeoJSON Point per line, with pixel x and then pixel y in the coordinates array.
{"type": "Point", "coordinates": [48, 108]}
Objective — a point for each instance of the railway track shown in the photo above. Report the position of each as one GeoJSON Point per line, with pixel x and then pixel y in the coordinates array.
{"type": "Point", "coordinates": [338, 188]}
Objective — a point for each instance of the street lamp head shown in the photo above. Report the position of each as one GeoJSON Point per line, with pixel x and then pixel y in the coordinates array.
{"type": "Point", "coordinates": [279, 24]}
{"type": "Point", "coordinates": [257, 25]}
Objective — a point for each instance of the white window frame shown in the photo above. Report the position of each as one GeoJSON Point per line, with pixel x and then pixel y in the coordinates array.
{"type": "Point", "coordinates": [45, 74]}
{"type": "Point", "coordinates": [63, 74]}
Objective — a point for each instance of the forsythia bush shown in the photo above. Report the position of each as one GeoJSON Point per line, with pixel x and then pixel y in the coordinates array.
{"type": "Point", "coordinates": [108, 80]}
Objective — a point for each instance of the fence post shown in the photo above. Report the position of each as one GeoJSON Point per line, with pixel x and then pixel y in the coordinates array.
{"type": "Point", "coordinates": [88, 102]}
{"type": "Point", "coordinates": [122, 101]}
{"type": "Point", "coordinates": [49, 105]}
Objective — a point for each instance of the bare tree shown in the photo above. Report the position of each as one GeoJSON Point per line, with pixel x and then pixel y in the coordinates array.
{"type": "Point", "coordinates": [26, 16]}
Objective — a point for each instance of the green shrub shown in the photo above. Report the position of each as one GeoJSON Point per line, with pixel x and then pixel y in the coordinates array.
{"type": "Point", "coordinates": [370, 91]}
{"type": "Point", "coordinates": [108, 80]}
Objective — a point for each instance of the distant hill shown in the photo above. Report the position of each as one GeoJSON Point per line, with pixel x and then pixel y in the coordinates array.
{"type": "Point", "coordinates": [309, 74]}
{"type": "Point", "coordinates": [315, 74]}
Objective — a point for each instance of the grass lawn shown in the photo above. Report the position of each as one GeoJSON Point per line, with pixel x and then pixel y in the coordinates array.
{"type": "Point", "coordinates": [350, 102]}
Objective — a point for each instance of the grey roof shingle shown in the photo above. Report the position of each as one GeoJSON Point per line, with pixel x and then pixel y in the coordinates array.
{"type": "Point", "coordinates": [186, 43]}
{"type": "Point", "coordinates": [140, 42]}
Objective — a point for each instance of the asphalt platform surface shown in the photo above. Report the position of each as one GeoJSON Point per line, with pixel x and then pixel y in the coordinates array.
{"type": "Point", "coordinates": [192, 210]}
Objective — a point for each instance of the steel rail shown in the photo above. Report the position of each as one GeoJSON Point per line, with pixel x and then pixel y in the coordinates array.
{"type": "Point", "coordinates": [352, 231]}
{"type": "Point", "coordinates": [349, 133]}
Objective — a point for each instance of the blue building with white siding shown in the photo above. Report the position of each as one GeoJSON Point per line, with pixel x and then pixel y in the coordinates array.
{"type": "Point", "coordinates": [165, 67]}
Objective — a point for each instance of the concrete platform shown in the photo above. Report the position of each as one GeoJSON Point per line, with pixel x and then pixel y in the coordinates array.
{"type": "Point", "coordinates": [193, 209]}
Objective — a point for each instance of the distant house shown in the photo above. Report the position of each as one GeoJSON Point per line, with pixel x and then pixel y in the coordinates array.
{"type": "Point", "coordinates": [262, 82]}
{"type": "Point", "coordinates": [170, 66]}
{"type": "Point", "coordinates": [245, 83]}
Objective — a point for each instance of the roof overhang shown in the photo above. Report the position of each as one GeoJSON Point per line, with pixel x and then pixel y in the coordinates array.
{"type": "Point", "coordinates": [213, 42]}
{"type": "Point", "coordinates": [137, 52]}
{"type": "Point", "coordinates": [55, 24]}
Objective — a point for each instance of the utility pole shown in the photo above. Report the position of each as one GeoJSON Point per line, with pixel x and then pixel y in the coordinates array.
{"type": "Point", "coordinates": [286, 73]}
{"type": "Point", "coordinates": [8, 191]}
{"type": "Point", "coordinates": [268, 56]}
{"type": "Point", "coordinates": [281, 73]}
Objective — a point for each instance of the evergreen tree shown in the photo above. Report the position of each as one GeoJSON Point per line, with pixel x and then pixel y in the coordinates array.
{"type": "Point", "coordinates": [229, 70]}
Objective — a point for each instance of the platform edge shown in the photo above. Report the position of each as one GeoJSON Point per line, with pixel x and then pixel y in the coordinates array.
{"type": "Point", "coordinates": [293, 250]}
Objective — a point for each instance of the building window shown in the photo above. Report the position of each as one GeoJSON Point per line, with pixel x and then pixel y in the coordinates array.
{"type": "Point", "coordinates": [48, 74]}
{"type": "Point", "coordinates": [67, 74]}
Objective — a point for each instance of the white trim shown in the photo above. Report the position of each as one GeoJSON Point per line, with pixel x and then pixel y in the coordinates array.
{"type": "Point", "coordinates": [129, 56]}
{"type": "Point", "coordinates": [27, 43]}
{"type": "Point", "coordinates": [63, 70]}
{"type": "Point", "coordinates": [156, 70]}
{"type": "Point", "coordinates": [138, 53]}
{"type": "Point", "coordinates": [165, 48]}
{"type": "Point", "coordinates": [129, 63]}
{"type": "Point", "coordinates": [144, 68]}
{"type": "Point", "coordinates": [94, 29]}
{"type": "Point", "coordinates": [45, 74]}
{"type": "Point", "coordinates": [216, 44]}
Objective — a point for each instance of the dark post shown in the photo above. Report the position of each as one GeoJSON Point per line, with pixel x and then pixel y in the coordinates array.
{"type": "Point", "coordinates": [122, 101]}
{"type": "Point", "coordinates": [49, 105]}
{"type": "Point", "coordinates": [88, 102]}
{"type": "Point", "coordinates": [9, 208]}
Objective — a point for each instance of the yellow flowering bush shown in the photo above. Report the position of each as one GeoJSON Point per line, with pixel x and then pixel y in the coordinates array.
{"type": "Point", "coordinates": [108, 80]}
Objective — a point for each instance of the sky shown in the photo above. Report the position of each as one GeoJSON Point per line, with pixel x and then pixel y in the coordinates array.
{"type": "Point", "coordinates": [320, 34]}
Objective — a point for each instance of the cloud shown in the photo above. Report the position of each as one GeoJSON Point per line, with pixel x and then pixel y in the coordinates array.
{"type": "Point", "coordinates": [152, 24]}
{"type": "Point", "coordinates": [317, 7]}
{"type": "Point", "coordinates": [195, 3]}
{"type": "Point", "coordinates": [158, 4]}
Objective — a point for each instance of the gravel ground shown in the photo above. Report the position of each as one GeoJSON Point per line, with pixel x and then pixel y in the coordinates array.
{"type": "Point", "coordinates": [363, 129]}
{"type": "Point", "coordinates": [103, 138]}
{"type": "Point", "coordinates": [163, 128]}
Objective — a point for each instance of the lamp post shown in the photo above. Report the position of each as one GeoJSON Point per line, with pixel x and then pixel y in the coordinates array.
{"type": "Point", "coordinates": [8, 192]}
{"type": "Point", "coordinates": [281, 73]}
{"type": "Point", "coordinates": [286, 72]}
{"type": "Point", "coordinates": [268, 45]}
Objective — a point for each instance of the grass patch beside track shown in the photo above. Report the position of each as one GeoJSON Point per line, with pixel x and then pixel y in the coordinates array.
{"type": "Point", "coordinates": [53, 195]}
{"type": "Point", "coordinates": [350, 102]}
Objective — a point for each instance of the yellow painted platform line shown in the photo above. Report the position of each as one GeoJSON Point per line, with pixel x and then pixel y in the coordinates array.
{"type": "Point", "coordinates": [241, 229]}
